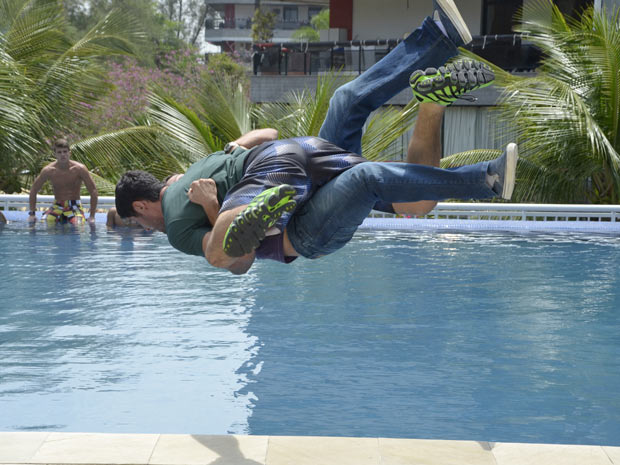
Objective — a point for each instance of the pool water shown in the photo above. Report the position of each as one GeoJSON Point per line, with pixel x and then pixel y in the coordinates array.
{"type": "Point", "coordinates": [486, 336]}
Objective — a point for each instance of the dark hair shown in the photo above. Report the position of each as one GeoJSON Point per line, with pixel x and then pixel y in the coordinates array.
{"type": "Point", "coordinates": [167, 178]}
{"type": "Point", "coordinates": [136, 185]}
{"type": "Point", "coordinates": [61, 144]}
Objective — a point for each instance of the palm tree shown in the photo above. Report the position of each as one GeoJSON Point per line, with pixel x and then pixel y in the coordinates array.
{"type": "Point", "coordinates": [46, 80]}
{"type": "Point", "coordinates": [566, 119]}
{"type": "Point", "coordinates": [303, 113]}
{"type": "Point", "coordinates": [173, 136]}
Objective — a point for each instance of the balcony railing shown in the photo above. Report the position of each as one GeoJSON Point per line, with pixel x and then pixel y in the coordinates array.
{"type": "Point", "coordinates": [246, 23]}
{"type": "Point", "coordinates": [510, 52]}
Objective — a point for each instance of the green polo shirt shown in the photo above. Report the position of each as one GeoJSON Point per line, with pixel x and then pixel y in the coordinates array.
{"type": "Point", "coordinates": [186, 222]}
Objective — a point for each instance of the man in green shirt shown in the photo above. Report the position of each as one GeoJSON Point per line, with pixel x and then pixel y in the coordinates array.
{"type": "Point", "coordinates": [325, 181]}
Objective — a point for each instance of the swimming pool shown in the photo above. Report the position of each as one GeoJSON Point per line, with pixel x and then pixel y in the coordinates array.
{"type": "Point", "coordinates": [483, 336]}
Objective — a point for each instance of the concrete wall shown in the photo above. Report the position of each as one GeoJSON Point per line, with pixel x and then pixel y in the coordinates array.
{"type": "Point", "coordinates": [276, 88]}
{"type": "Point", "coordinates": [391, 19]}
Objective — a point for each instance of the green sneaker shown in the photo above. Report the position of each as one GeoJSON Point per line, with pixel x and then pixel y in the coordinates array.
{"type": "Point", "coordinates": [250, 226]}
{"type": "Point", "coordinates": [450, 82]}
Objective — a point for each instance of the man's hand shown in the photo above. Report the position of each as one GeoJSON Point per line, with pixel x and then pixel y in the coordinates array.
{"type": "Point", "coordinates": [204, 193]}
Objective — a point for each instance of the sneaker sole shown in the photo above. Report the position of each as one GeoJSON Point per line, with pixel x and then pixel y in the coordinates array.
{"type": "Point", "coordinates": [452, 12]}
{"type": "Point", "coordinates": [512, 155]}
{"type": "Point", "coordinates": [246, 231]}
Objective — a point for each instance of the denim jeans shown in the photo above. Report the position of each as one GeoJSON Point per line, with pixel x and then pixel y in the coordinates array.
{"type": "Point", "coordinates": [353, 102]}
{"type": "Point", "coordinates": [328, 220]}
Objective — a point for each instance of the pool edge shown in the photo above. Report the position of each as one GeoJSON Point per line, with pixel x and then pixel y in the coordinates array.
{"type": "Point", "coordinates": [173, 449]}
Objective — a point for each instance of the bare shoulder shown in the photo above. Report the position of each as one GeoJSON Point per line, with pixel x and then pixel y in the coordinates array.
{"type": "Point", "coordinates": [48, 169]}
{"type": "Point", "coordinates": [77, 165]}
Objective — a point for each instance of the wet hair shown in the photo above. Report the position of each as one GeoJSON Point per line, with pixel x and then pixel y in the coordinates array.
{"type": "Point", "coordinates": [133, 186]}
{"type": "Point", "coordinates": [61, 144]}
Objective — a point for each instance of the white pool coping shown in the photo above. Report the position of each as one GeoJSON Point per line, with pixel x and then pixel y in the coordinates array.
{"type": "Point", "coordinates": [184, 449]}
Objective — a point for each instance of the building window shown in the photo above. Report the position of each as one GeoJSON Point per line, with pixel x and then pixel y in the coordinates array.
{"type": "Point", "coordinates": [498, 16]}
{"type": "Point", "coordinates": [313, 11]}
{"type": "Point", "coordinates": [290, 14]}
{"type": "Point", "coordinates": [573, 7]}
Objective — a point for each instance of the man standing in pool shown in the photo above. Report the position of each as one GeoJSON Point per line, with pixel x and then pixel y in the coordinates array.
{"type": "Point", "coordinates": [323, 180]}
{"type": "Point", "coordinates": [66, 177]}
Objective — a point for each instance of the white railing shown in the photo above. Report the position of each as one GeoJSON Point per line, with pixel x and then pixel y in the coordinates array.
{"type": "Point", "coordinates": [444, 210]}
{"type": "Point", "coordinates": [19, 202]}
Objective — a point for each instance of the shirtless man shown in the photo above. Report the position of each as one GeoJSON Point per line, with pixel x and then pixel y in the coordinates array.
{"type": "Point", "coordinates": [66, 177]}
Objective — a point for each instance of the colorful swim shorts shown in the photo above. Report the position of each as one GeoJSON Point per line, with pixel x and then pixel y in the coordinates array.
{"type": "Point", "coordinates": [69, 211]}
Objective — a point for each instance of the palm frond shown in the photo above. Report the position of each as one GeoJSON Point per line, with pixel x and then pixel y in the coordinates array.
{"type": "Point", "coordinates": [34, 34]}
{"type": "Point", "coordinates": [183, 125]}
{"type": "Point", "coordinates": [385, 127]}
{"type": "Point", "coordinates": [144, 147]}
{"type": "Point", "coordinates": [225, 107]}
{"type": "Point", "coordinates": [302, 113]}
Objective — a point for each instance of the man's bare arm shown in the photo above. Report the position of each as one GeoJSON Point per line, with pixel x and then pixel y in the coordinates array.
{"type": "Point", "coordinates": [204, 193]}
{"type": "Point", "coordinates": [92, 190]}
{"type": "Point", "coordinates": [256, 137]}
{"type": "Point", "coordinates": [35, 188]}
{"type": "Point", "coordinates": [216, 256]}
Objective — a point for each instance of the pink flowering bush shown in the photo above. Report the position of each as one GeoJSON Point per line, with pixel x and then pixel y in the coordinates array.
{"type": "Point", "coordinates": [179, 73]}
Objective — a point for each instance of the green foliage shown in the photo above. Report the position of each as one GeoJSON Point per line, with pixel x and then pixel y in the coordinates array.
{"type": "Point", "coordinates": [223, 67]}
{"type": "Point", "coordinates": [311, 33]}
{"type": "Point", "coordinates": [321, 20]}
{"type": "Point", "coordinates": [46, 78]}
{"type": "Point", "coordinates": [159, 32]}
{"type": "Point", "coordinates": [306, 34]}
{"type": "Point", "coordinates": [303, 114]}
{"type": "Point", "coordinates": [566, 118]}
{"type": "Point", "coordinates": [263, 24]}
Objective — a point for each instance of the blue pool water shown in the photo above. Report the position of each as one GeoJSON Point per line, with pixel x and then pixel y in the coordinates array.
{"type": "Point", "coordinates": [481, 336]}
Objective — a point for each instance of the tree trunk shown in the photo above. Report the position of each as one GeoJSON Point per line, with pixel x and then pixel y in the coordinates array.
{"type": "Point", "coordinates": [180, 19]}
{"type": "Point", "coordinates": [201, 23]}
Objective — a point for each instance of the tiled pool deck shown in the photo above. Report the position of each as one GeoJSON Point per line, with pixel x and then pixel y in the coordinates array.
{"type": "Point", "coordinates": [180, 449]}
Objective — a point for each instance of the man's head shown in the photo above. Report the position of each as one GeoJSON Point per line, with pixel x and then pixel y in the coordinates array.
{"type": "Point", "coordinates": [62, 152]}
{"type": "Point", "coordinates": [138, 196]}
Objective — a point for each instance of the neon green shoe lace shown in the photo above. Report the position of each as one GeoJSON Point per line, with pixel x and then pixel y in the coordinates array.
{"type": "Point", "coordinates": [450, 82]}
{"type": "Point", "coordinates": [250, 226]}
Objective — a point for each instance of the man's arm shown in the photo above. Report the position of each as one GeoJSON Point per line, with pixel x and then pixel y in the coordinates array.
{"type": "Point", "coordinates": [204, 193]}
{"type": "Point", "coordinates": [92, 189]}
{"type": "Point", "coordinates": [256, 137]}
{"type": "Point", "coordinates": [34, 190]}
{"type": "Point", "coordinates": [214, 253]}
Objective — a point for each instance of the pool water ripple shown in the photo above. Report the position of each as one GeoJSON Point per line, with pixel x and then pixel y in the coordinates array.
{"type": "Point", "coordinates": [483, 336]}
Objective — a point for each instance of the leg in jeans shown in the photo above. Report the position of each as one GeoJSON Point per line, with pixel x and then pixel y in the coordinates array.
{"type": "Point", "coordinates": [332, 215]}
{"type": "Point", "coordinates": [353, 102]}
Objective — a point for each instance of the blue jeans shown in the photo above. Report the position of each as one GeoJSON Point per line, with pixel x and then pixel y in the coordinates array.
{"type": "Point", "coordinates": [328, 220]}
{"type": "Point", "coordinates": [353, 102]}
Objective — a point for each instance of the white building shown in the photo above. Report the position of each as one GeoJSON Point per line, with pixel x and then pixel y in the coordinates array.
{"type": "Point", "coordinates": [229, 23]}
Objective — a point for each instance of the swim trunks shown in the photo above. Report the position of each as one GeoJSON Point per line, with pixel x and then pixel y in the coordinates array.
{"type": "Point", "coordinates": [69, 211]}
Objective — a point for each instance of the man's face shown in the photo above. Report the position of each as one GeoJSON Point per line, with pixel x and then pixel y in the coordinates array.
{"type": "Point", "coordinates": [149, 215]}
{"type": "Point", "coordinates": [62, 154]}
